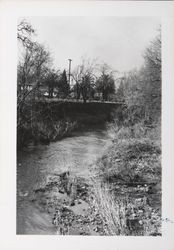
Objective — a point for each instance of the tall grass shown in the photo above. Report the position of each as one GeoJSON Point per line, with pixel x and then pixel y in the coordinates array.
{"type": "Point", "coordinates": [122, 215]}
{"type": "Point", "coordinates": [111, 210]}
{"type": "Point", "coordinates": [134, 158]}
{"type": "Point", "coordinates": [135, 152]}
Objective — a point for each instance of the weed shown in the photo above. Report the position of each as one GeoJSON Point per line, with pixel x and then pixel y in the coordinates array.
{"type": "Point", "coordinates": [127, 193]}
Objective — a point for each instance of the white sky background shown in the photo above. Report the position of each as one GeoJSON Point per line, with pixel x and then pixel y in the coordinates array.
{"type": "Point", "coordinates": [117, 41]}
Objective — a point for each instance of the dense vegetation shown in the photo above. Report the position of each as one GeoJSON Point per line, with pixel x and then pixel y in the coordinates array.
{"type": "Point", "coordinates": [128, 190]}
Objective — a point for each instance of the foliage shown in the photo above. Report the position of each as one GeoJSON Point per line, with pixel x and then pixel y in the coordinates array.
{"type": "Point", "coordinates": [125, 215]}
{"type": "Point", "coordinates": [142, 88]}
{"type": "Point", "coordinates": [120, 92]}
{"type": "Point", "coordinates": [51, 81]}
{"type": "Point", "coordinates": [130, 170]}
{"type": "Point", "coordinates": [32, 68]}
{"type": "Point", "coordinates": [63, 86]}
{"type": "Point", "coordinates": [39, 125]}
{"type": "Point", "coordinates": [84, 77]}
{"type": "Point", "coordinates": [34, 73]}
{"type": "Point", "coordinates": [105, 84]}
{"type": "Point", "coordinates": [128, 190]}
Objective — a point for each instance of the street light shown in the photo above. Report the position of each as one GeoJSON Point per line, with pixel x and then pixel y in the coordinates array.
{"type": "Point", "coordinates": [70, 60]}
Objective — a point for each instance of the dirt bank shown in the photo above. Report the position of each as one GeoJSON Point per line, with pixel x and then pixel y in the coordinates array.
{"type": "Point", "coordinates": [69, 202]}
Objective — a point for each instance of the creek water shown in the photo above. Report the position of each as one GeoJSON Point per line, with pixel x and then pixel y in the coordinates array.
{"type": "Point", "coordinates": [35, 163]}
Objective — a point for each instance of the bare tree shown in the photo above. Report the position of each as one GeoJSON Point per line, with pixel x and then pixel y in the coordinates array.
{"type": "Point", "coordinates": [84, 76]}
{"type": "Point", "coordinates": [105, 83]}
{"type": "Point", "coordinates": [142, 88]}
{"type": "Point", "coordinates": [24, 33]}
{"type": "Point", "coordinates": [32, 70]}
{"type": "Point", "coordinates": [77, 77]}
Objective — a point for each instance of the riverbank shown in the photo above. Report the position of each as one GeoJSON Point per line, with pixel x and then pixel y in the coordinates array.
{"type": "Point", "coordinates": [67, 198]}
{"type": "Point", "coordinates": [45, 122]}
{"type": "Point", "coordinates": [127, 192]}
{"type": "Point", "coordinates": [93, 186]}
{"type": "Point", "coordinates": [55, 180]}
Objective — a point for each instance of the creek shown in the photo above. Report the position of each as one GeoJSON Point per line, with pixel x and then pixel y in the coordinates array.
{"type": "Point", "coordinates": [35, 164]}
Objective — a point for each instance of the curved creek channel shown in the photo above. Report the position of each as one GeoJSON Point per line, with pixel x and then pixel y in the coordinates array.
{"type": "Point", "coordinates": [38, 166]}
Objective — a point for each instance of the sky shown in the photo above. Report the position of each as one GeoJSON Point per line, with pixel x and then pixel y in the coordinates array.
{"type": "Point", "coordinates": [117, 41]}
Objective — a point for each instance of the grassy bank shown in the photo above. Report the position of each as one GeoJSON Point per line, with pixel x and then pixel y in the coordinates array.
{"type": "Point", "coordinates": [127, 192]}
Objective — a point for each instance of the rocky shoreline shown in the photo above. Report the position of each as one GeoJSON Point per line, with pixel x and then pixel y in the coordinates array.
{"type": "Point", "coordinates": [69, 202]}
{"type": "Point", "coordinates": [72, 204]}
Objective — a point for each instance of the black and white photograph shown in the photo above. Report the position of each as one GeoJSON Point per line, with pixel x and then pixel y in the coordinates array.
{"type": "Point", "coordinates": [89, 126]}
{"type": "Point", "coordinates": [86, 131]}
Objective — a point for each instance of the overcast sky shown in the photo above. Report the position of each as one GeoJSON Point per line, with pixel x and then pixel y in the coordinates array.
{"type": "Point", "coordinates": [117, 41]}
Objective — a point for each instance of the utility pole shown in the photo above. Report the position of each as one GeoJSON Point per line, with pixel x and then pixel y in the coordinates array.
{"type": "Point", "coordinates": [70, 60]}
